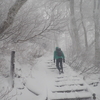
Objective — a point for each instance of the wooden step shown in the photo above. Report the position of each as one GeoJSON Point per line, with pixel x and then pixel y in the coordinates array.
{"type": "Point", "coordinates": [70, 96]}
{"type": "Point", "coordinates": [69, 88]}
{"type": "Point", "coordinates": [66, 79]}
{"type": "Point", "coordinates": [50, 67]}
{"type": "Point", "coordinates": [59, 84]}
{"type": "Point", "coordinates": [63, 76]}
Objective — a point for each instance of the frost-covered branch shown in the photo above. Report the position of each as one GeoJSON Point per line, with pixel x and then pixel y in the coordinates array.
{"type": "Point", "coordinates": [11, 15]}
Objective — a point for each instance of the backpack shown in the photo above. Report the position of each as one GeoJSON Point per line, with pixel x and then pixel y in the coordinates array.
{"type": "Point", "coordinates": [59, 52]}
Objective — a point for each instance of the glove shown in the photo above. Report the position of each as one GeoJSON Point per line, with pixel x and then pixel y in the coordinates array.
{"type": "Point", "coordinates": [64, 60]}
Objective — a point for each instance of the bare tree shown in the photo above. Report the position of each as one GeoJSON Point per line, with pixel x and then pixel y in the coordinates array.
{"type": "Point", "coordinates": [11, 15]}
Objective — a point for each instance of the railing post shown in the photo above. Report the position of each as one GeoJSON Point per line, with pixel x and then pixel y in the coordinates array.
{"type": "Point", "coordinates": [94, 96]}
{"type": "Point", "coordinates": [12, 68]}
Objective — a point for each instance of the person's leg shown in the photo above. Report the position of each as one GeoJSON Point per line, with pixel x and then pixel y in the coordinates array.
{"type": "Point", "coordinates": [61, 65]}
{"type": "Point", "coordinates": [57, 64]}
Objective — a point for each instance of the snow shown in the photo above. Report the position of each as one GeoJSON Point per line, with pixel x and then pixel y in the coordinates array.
{"type": "Point", "coordinates": [36, 82]}
{"type": "Point", "coordinates": [96, 90]}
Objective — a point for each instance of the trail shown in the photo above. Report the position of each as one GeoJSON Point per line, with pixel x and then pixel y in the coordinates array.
{"type": "Point", "coordinates": [54, 86]}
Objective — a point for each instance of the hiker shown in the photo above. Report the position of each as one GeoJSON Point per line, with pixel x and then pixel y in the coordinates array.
{"type": "Point", "coordinates": [59, 57]}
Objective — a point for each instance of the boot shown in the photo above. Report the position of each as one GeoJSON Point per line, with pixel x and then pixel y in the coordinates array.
{"type": "Point", "coordinates": [59, 72]}
{"type": "Point", "coordinates": [62, 71]}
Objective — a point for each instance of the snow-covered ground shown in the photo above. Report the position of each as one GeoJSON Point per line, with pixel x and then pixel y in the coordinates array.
{"type": "Point", "coordinates": [35, 81]}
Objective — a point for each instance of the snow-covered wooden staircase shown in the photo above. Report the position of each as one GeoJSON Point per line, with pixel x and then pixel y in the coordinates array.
{"type": "Point", "coordinates": [69, 89]}
{"type": "Point", "coordinates": [68, 86]}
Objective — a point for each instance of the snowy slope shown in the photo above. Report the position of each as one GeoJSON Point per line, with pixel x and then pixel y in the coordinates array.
{"type": "Point", "coordinates": [37, 81]}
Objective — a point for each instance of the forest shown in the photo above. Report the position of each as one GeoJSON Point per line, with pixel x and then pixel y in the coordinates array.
{"type": "Point", "coordinates": [33, 28]}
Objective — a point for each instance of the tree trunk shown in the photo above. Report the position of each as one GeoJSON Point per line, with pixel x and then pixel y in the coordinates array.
{"type": "Point", "coordinates": [11, 15]}
{"type": "Point", "coordinates": [56, 40]}
{"type": "Point", "coordinates": [85, 32]}
{"type": "Point", "coordinates": [97, 33]}
{"type": "Point", "coordinates": [74, 34]}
